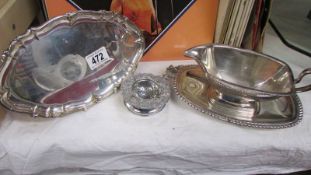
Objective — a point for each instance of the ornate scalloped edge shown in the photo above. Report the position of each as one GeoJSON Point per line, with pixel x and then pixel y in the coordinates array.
{"type": "Point", "coordinates": [14, 103]}
{"type": "Point", "coordinates": [173, 74]}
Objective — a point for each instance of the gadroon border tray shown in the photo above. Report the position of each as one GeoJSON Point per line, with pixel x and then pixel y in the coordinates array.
{"type": "Point", "coordinates": [191, 87]}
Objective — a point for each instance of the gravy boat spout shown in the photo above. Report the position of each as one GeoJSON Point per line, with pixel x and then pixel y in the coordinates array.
{"type": "Point", "coordinates": [199, 54]}
{"type": "Point", "coordinates": [204, 56]}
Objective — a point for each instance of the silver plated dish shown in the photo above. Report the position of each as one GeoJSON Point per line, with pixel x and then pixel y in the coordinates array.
{"type": "Point", "coordinates": [191, 86]}
{"type": "Point", "coordinates": [145, 94]}
{"type": "Point", "coordinates": [246, 73]}
{"type": "Point", "coordinates": [69, 63]}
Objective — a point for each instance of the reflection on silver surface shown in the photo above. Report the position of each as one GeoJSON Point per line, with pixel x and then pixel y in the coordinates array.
{"type": "Point", "coordinates": [244, 72]}
{"type": "Point", "coordinates": [48, 71]}
{"type": "Point", "coordinates": [145, 94]}
{"type": "Point", "coordinates": [69, 69]}
{"type": "Point", "coordinates": [191, 86]}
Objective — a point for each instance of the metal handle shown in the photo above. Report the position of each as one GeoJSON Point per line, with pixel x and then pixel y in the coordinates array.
{"type": "Point", "coordinates": [299, 78]}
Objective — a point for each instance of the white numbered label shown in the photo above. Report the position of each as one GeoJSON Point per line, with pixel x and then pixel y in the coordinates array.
{"type": "Point", "coordinates": [98, 58]}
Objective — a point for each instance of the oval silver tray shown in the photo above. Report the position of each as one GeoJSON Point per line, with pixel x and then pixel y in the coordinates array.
{"type": "Point", "coordinates": [192, 87]}
{"type": "Point", "coordinates": [69, 63]}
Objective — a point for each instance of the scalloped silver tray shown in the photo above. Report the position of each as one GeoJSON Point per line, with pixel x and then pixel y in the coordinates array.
{"type": "Point", "coordinates": [192, 87]}
{"type": "Point", "coordinates": [50, 71]}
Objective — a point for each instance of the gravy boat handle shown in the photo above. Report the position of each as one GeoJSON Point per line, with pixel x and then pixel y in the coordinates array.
{"type": "Point", "coordinates": [300, 77]}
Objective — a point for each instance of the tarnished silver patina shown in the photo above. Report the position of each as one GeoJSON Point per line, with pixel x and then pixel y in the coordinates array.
{"type": "Point", "coordinates": [145, 94]}
{"type": "Point", "coordinates": [69, 63]}
{"type": "Point", "coordinates": [191, 86]}
{"type": "Point", "coordinates": [246, 73]}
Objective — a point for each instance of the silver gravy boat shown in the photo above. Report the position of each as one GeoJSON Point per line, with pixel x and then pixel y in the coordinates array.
{"type": "Point", "coordinates": [246, 73]}
{"type": "Point", "coordinates": [240, 86]}
{"type": "Point", "coordinates": [191, 87]}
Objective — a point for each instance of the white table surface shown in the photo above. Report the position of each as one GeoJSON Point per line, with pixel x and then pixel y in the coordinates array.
{"type": "Point", "coordinates": [108, 139]}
